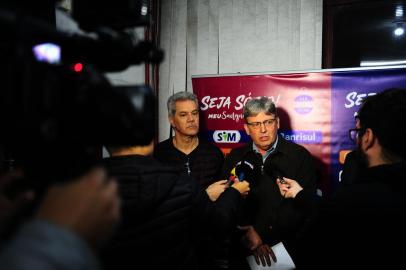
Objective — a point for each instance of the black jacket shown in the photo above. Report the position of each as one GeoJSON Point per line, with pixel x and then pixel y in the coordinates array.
{"type": "Point", "coordinates": [204, 162]}
{"type": "Point", "coordinates": [162, 211]}
{"type": "Point", "coordinates": [265, 207]}
{"type": "Point", "coordinates": [353, 167]}
{"type": "Point", "coordinates": [362, 226]}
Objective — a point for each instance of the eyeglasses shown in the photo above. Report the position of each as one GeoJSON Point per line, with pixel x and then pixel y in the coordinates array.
{"type": "Point", "coordinates": [354, 133]}
{"type": "Point", "coordinates": [267, 123]}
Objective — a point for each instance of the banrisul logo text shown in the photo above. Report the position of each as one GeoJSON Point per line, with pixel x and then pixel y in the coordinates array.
{"type": "Point", "coordinates": [302, 136]}
{"type": "Point", "coordinates": [226, 136]}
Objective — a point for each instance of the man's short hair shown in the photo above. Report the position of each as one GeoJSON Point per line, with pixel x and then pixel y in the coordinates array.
{"type": "Point", "coordinates": [384, 114]}
{"type": "Point", "coordinates": [257, 105]}
{"type": "Point", "coordinates": [180, 96]}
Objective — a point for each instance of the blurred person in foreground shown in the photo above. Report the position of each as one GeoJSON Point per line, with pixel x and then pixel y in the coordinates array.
{"type": "Point", "coordinates": [72, 221]}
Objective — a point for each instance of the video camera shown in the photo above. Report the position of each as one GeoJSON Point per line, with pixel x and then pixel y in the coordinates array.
{"type": "Point", "coordinates": [56, 107]}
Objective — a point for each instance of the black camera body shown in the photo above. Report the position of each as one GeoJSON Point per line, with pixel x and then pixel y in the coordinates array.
{"type": "Point", "coordinates": [56, 116]}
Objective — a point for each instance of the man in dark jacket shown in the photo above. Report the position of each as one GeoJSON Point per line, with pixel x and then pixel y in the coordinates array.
{"type": "Point", "coordinates": [162, 212]}
{"type": "Point", "coordinates": [268, 217]}
{"type": "Point", "coordinates": [198, 158]}
{"type": "Point", "coordinates": [363, 225]}
{"type": "Point", "coordinates": [353, 167]}
{"type": "Point", "coordinates": [186, 150]}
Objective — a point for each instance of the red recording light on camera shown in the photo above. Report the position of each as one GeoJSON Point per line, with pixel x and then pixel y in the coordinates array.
{"type": "Point", "coordinates": [77, 67]}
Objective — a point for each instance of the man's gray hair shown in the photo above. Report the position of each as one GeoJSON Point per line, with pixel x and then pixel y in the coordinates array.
{"type": "Point", "coordinates": [257, 105]}
{"type": "Point", "coordinates": [180, 96]}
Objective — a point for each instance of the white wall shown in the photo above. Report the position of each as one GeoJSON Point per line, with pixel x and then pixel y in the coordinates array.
{"type": "Point", "coordinates": [230, 36]}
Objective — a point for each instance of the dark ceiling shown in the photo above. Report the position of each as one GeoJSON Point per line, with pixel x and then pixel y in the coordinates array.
{"type": "Point", "coordinates": [364, 32]}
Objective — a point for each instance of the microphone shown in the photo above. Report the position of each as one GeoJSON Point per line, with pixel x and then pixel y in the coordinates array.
{"type": "Point", "coordinates": [248, 168]}
{"type": "Point", "coordinates": [244, 170]}
{"type": "Point", "coordinates": [232, 178]}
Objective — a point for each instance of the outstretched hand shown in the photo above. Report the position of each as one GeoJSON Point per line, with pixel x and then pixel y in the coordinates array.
{"type": "Point", "coordinates": [216, 189]}
{"type": "Point", "coordinates": [243, 187]}
{"type": "Point", "coordinates": [288, 188]}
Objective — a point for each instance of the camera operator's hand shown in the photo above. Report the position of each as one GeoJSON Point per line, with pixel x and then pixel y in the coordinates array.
{"type": "Point", "coordinates": [263, 255]}
{"type": "Point", "coordinates": [12, 206]}
{"type": "Point", "coordinates": [88, 206]}
{"type": "Point", "coordinates": [214, 190]}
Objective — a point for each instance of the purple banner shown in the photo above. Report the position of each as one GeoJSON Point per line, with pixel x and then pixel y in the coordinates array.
{"type": "Point", "coordinates": [349, 88]}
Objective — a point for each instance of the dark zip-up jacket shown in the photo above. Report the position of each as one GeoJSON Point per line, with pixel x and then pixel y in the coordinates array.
{"type": "Point", "coordinates": [273, 217]}
{"type": "Point", "coordinates": [162, 212]}
{"type": "Point", "coordinates": [203, 163]}
{"type": "Point", "coordinates": [362, 226]}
